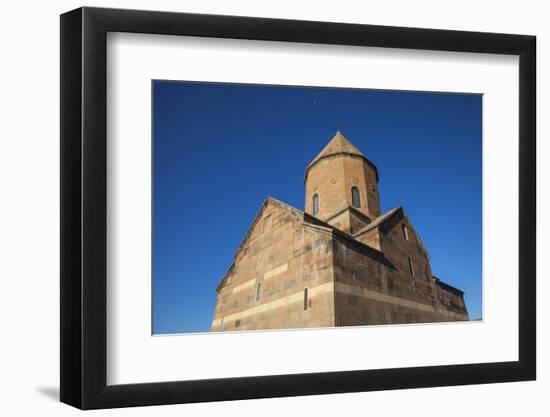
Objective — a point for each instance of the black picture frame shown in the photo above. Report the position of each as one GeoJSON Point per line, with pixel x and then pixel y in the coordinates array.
{"type": "Point", "coordinates": [84, 207]}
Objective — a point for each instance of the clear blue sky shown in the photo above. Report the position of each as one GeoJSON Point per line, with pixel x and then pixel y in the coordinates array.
{"type": "Point", "coordinates": [220, 149]}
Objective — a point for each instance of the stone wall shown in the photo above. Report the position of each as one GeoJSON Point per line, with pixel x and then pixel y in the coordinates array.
{"type": "Point", "coordinates": [333, 177]}
{"type": "Point", "coordinates": [376, 288]}
{"type": "Point", "coordinates": [283, 256]}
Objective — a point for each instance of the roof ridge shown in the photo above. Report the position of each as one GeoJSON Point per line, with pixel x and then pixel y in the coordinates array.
{"type": "Point", "coordinates": [378, 221]}
{"type": "Point", "coordinates": [307, 218]}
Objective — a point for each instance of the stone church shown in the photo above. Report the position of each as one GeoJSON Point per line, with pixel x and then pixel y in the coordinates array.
{"type": "Point", "coordinates": [340, 262]}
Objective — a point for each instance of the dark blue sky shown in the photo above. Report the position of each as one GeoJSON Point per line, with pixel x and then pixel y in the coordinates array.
{"type": "Point", "coordinates": [220, 149]}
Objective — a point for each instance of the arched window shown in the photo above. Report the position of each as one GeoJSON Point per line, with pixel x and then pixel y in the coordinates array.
{"type": "Point", "coordinates": [355, 197]}
{"type": "Point", "coordinates": [315, 204]}
{"type": "Point", "coordinates": [306, 301]}
{"type": "Point", "coordinates": [258, 291]}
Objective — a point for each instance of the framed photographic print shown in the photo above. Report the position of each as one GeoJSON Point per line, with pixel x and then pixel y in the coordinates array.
{"type": "Point", "coordinates": [257, 208]}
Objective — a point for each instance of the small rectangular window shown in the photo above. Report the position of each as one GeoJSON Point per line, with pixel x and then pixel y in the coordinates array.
{"type": "Point", "coordinates": [258, 291]}
{"type": "Point", "coordinates": [405, 232]}
{"type": "Point", "coordinates": [411, 268]}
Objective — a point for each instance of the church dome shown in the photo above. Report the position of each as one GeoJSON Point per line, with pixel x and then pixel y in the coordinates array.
{"type": "Point", "coordinates": [338, 145]}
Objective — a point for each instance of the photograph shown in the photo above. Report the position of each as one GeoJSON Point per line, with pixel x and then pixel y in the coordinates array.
{"type": "Point", "coordinates": [280, 207]}
{"type": "Point", "coordinates": [331, 206]}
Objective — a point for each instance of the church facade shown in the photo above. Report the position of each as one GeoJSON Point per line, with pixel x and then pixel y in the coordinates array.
{"type": "Point", "coordinates": [340, 262]}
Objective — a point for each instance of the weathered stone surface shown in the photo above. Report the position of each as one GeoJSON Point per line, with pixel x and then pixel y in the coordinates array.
{"type": "Point", "coordinates": [344, 266]}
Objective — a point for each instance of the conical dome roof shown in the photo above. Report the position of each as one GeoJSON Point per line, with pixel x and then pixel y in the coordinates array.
{"type": "Point", "coordinates": [339, 145]}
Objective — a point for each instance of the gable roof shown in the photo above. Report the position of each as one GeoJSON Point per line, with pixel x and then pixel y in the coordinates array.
{"type": "Point", "coordinates": [316, 223]}
{"type": "Point", "coordinates": [267, 200]}
{"type": "Point", "coordinates": [306, 218]}
{"type": "Point", "coordinates": [379, 221]}
{"type": "Point", "coordinates": [446, 286]}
